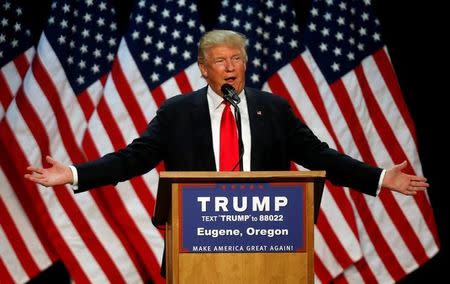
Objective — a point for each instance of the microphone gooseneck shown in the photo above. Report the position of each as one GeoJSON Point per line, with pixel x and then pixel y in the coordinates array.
{"type": "Point", "coordinates": [230, 95]}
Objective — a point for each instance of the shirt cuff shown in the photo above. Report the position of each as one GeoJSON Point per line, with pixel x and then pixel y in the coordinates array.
{"type": "Point", "coordinates": [380, 182]}
{"type": "Point", "coordinates": [74, 184]}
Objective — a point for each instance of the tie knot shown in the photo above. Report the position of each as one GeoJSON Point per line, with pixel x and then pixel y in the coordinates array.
{"type": "Point", "coordinates": [226, 103]}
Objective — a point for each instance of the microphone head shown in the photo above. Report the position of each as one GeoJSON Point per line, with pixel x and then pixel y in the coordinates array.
{"type": "Point", "coordinates": [226, 88]}
{"type": "Point", "coordinates": [229, 92]}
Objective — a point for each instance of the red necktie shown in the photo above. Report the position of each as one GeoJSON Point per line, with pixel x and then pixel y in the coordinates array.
{"type": "Point", "coordinates": [229, 147]}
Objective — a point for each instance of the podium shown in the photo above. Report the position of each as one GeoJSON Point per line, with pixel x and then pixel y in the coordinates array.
{"type": "Point", "coordinates": [239, 227]}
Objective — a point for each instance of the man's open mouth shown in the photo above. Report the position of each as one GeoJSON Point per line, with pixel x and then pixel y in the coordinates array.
{"type": "Point", "coordinates": [230, 80]}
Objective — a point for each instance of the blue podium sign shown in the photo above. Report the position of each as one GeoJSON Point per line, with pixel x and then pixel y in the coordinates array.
{"type": "Point", "coordinates": [242, 217]}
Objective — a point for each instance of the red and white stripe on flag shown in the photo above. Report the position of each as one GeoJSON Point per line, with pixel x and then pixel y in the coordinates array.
{"type": "Point", "coordinates": [26, 250]}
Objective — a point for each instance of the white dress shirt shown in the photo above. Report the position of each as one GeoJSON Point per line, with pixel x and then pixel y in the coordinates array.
{"type": "Point", "coordinates": [216, 107]}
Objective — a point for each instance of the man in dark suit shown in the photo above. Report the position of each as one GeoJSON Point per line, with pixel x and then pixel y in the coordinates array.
{"type": "Point", "coordinates": [185, 135]}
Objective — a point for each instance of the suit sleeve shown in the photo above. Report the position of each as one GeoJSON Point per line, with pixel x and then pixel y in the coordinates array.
{"type": "Point", "coordinates": [139, 157]}
{"type": "Point", "coordinates": [307, 150]}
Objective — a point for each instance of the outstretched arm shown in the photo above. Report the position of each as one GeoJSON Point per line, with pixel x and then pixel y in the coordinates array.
{"type": "Point", "coordinates": [396, 180]}
{"type": "Point", "coordinates": [56, 174]}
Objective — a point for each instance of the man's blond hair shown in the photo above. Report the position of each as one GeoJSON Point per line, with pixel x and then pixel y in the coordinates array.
{"type": "Point", "coordinates": [221, 37]}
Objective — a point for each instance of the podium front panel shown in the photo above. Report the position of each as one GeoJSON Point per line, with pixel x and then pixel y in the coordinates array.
{"type": "Point", "coordinates": [242, 217]}
{"type": "Point", "coordinates": [272, 256]}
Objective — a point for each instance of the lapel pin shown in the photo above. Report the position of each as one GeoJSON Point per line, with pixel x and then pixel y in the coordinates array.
{"type": "Point", "coordinates": [259, 113]}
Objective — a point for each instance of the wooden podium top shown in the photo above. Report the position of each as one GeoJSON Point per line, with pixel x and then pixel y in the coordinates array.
{"type": "Point", "coordinates": [166, 179]}
{"type": "Point", "coordinates": [259, 175]}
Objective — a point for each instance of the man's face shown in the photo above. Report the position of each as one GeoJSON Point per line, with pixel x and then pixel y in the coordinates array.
{"type": "Point", "coordinates": [224, 64]}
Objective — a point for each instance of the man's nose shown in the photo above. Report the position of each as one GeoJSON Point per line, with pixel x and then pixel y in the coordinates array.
{"type": "Point", "coordinates": [229, 65]}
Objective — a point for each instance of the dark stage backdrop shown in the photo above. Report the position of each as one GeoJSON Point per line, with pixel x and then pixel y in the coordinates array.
{"type": "Point", "coordinates": [413, 33]}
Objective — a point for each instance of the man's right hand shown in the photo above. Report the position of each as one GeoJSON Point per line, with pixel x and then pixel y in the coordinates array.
{"type": "Point", "coordinates": [57, 174]}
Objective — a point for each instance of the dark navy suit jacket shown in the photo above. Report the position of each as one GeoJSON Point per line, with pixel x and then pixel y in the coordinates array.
{"type": "Point", "coordinates": [180, 135]}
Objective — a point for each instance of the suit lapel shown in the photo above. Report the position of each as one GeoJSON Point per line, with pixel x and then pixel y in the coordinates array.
{"type": "Point", "coordinates": [256, 118]}
{"type": "Point", "coordinates": [201, 128]}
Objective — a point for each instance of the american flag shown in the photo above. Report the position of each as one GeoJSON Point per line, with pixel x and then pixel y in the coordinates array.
{"type": "Point", "coordinates": [91, 90]}
{"type": "Point", "coordinates": [156, 60]}
{"type": "Point", "coordinates": [337, 75]}
{"type": "Point", "coordinates": [26, 249]}
{"type": "Point", "coordinates": [49, 117]}
{"type": "Point", "coordinates": [95, 90]}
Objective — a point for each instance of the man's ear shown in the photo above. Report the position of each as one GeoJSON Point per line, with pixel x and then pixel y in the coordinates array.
{"type": "Point", "coordinates": [203, 70]}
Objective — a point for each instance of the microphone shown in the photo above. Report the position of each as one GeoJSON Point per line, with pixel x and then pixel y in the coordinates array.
{"type": "Point", "coordinates": [229, 94]}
